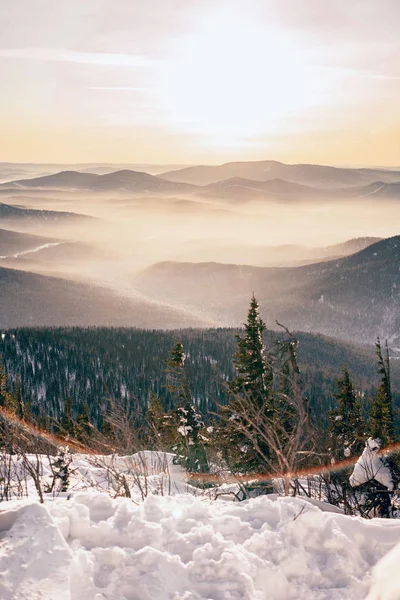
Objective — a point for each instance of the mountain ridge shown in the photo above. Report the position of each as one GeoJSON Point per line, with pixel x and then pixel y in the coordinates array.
{"type": "Point", "coordinates": [305, 174]}
{"type": "Point", "coordinates": [125, 179]}
{"type": "Point", "coordinates": [355, 297]}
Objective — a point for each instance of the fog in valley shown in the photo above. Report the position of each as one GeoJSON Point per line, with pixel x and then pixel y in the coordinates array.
{"type": "Point", "coordinates": [109, 228]}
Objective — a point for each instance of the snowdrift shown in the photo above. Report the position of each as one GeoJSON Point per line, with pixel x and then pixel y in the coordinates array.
{"type": "Point", "coordinates": [182, 547]}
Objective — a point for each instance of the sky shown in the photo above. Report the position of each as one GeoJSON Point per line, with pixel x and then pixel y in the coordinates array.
{"type": "Point", "coordinates": [190, 81]}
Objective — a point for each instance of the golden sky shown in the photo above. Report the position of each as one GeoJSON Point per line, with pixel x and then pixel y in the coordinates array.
{"type": "Point", "coordinates": [190, 81]}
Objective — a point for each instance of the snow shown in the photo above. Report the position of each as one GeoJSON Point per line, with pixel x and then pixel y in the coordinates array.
{"type": "Point", "coordinates": [186, 548]}
{"type": "Point", "coordinates": [34, 556]}
{"type": "Point", "coordinates": [386, 584]}
{"type": "Point", "coordinates": [177, 543]}
{"type": "Point", "coordinates": [371, 465]}
{"type": "Point", "coordinates": [33, 250]}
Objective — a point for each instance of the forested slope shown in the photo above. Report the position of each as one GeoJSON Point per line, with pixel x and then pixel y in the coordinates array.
{"type": "Point", "coordinates": [94, 364]}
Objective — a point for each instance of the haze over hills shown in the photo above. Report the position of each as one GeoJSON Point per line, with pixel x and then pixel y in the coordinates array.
{"type": "Point", "coordinates": [20, 213]}
{"type": "Point", "coordinates": [227, 251]}
{"type": "Point", "coordinates": [312, 175]}
{"type": "Point", "coordinates": [279, 190]}
{"type": "Point", "coordinates": [303, 183]}
{"type": "Point", "coordinates": [13, 243]}
{"type": "Point", "coordinates": [356, 297]}
{"type": "Point", "coordinates": [143, 235]}
{"type": "Point", "coordinates": [31, 299]}
{"type": "Point", "coordinates": [243, 190]}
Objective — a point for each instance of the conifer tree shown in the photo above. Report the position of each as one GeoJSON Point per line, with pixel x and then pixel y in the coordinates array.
{"type": "Point", "coordinates": [7, 401]}
{"type": "Point", "coordinates": [84, 428]}
{"type": "Point", "coordinates": [61, 467]}
{"type": "Point", "coordinates": [346, 423]}
{"type": "Point", "coordinates": [106, 428]}
{"type": "Point", "coordinates": [67, 421]}
{"type": "Point", "coordinates": [186, 422]}
{"type": "Point", "coordinates": [243, 448]}
{"type": "Point", "coordinates": [162, 429]}
{"type": "Point", "coordinates": [43, 421]}
{"type": "Point", "coordinates": [254, 372]}
{"type": "Point", "coordinates": [190, 445]}
{"type": "Point", "coordinates": [381, 418]}
{"type": "Point", "coordinates": [19, 403]}
{"type": "Point", "coordinates": [177, 384]}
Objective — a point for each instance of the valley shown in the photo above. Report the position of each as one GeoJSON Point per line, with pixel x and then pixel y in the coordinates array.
{"type": "Point", "coordinates": [147, 249]}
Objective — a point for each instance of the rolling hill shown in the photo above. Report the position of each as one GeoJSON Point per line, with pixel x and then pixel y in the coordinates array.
{"type": "Point", "coordinates": [32, 215]}
{"type": "Point", "coordinates": [354, 298]}
{"type": "Point", "coordinates": [13, 243]}
{"type": "Point", "coordinates": [37, 300]}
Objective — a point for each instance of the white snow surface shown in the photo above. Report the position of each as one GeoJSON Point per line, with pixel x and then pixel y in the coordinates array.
{"type": "Point", "coordinates": [187, 548]}
{"type": "Point", "coordinates": [181, 544]}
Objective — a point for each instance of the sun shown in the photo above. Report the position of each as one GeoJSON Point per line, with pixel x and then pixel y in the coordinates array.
{"type": "Point", "coordinates": [234, 80]}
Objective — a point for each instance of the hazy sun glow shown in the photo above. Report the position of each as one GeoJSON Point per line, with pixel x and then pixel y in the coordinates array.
{"type": "Point", "coordinates": [233, 80]}
{"type": "Point", "coordinates": [211, 81]}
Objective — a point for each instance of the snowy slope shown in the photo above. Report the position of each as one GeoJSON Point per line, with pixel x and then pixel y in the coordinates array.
{"type": "Point", "coordinates": [187, 548]}
{"type": "Point", "coordinates": [172, 541]}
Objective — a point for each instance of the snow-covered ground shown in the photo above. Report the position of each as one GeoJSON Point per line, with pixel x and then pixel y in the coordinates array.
{"type": "Point", "coordinates": [182, 546]}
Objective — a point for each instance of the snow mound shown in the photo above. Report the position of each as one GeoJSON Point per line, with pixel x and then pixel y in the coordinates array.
{"type": "Point", "coordinates": [386, 584]}
{"type": "Point", "coordinates": [92, 547]}
{"type": "Point", "coordinates": [34, 556]}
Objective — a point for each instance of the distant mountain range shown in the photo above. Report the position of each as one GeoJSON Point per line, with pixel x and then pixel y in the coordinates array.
{"type": "Point", "coordinates": [311, 175]}
{"type": "Point", "coordinates": [14, 171]}
{"type": "Point", "coordinates": [353, 298]}
{"type": "Point", "coordinates": [126, 180]}
{"type": "Point", "coordinates": [267, 181]}
{"type": "Point", "coordinates": [279, 190]}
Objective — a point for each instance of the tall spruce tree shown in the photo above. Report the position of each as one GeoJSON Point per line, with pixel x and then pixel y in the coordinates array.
{"type": "Point", "coordinates": [254, 371]}
{"type": "Point", "coordinates": [381, 417]}
{"type": "Point", "coordinates": [177, 384]}
{"type": "Point", "coordinates": [242, 446]}
{"type": "Point", "coordinates": [346, 423]}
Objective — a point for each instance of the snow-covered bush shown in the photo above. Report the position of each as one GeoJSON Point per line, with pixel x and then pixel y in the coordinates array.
{"type": "Point", "coordinates": [61, 468]}
{"type": "Point", "coordinates": [373, 476]}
